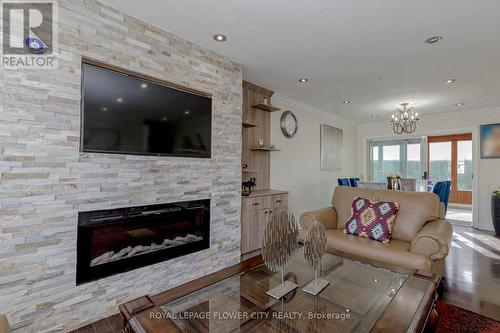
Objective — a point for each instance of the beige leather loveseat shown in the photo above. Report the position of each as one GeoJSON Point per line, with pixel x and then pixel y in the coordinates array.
{"type": "Point", "coordinates": [421, 237]}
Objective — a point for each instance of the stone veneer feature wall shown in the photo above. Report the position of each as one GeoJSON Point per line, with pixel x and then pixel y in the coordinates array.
{"type": "Point", "coordinates": [45, 180]}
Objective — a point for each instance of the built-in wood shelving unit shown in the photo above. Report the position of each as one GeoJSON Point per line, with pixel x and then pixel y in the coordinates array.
{"type": "Point", "coordinates": [256, 162]}
{"type": "Point", "coordinates": [266, 107]}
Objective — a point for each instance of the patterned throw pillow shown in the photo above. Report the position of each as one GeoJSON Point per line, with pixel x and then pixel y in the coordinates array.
{"type": "Point", "coordinates": [372, 219]}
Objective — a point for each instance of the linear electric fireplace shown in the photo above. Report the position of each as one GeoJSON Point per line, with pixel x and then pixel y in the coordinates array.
{"type": "Point", "coordinates": [119, 240]}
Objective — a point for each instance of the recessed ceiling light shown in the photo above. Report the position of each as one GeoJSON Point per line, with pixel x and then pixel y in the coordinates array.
{"type": "Point", "coordinates": [304, 80]}
{"type": "Point", "coordinates": [459, 104]}
{"type": "Point", "coordinates": [144, 85]}
{"type": "Point", "coordinates": [449, 81]}
{"type": "Point", "coordinates": [433, 40]}
{"type": "Point", "coordinates": [104, 109]}
{"type": "Point", "coordinates": [220, 38]}
{"type": "Point", "coordinates": [373, 116]}
{"type": "Point", "coordinates": [164, 118]}
{"type": "Point", "coordinates": [187, 112]}
{"type": "Point", "coordinates": [346, 102]}
{"type": "Point", "coordinates": [119, 99]}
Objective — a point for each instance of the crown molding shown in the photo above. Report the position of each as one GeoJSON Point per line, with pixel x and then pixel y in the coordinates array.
{"type": "Point", "coordinates": [302, 105]}
{"type": "Point", "coordinates": [470, 112]}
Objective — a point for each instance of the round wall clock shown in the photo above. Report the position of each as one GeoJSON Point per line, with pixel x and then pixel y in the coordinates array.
{"type": "Point", "coordinates": [288, 124]}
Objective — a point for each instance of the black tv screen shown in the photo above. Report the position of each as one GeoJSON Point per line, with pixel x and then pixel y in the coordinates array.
{"type": "Point", "coordinates": [130, 115]}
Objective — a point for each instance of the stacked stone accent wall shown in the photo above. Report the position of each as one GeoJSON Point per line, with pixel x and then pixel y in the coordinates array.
{"type": "Point", "coordinates": [45, 180]}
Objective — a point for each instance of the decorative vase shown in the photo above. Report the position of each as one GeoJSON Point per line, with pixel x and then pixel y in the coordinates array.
{"type": "Point", "coordinates": [495, 213]}
{"type": "Point", "coordinates": [394, 183]}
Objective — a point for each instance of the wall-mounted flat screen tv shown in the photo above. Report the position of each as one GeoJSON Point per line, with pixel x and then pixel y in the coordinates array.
{"type": "Point", "coordinates": [127, 114]}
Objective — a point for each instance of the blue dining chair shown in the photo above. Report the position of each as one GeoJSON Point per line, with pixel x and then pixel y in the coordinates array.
{"type": "Point", "coordinates": [354, 182]}
{"type": "Point", "coordinates": [344, 182]}
{"type": "Point", "coordinates": [442, 189]}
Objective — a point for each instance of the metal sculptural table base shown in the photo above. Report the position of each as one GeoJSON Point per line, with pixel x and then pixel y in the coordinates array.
{"type": "Point", "coordinates": [315, 286]}
{"type": "Point", "coordinates": [282, 289]}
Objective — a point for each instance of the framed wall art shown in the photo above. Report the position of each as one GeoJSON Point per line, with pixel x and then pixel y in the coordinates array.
{"type": "Point", "coordinates": [490, 141]}
{"type": "Point", "coordinates": [331, 148]}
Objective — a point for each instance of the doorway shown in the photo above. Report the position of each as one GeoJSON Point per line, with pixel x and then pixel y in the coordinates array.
{"type": "Point", "coordinates": [450, 158]}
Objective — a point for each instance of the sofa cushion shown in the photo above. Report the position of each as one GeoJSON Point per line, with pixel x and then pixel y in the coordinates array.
{"type": "Point", "coordinates": [372, 219]}
{"type": "Point", "coordinates": [415, 208]}
{"type": "Point", "coordinates": [394, 253]}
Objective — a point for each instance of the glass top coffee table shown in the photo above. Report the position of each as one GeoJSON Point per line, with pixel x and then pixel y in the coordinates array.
{"type": "Point", "coordinates": [359, 298]}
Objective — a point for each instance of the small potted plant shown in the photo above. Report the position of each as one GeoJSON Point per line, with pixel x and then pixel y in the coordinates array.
{"type": "Point", "coordinates": [495, 210]}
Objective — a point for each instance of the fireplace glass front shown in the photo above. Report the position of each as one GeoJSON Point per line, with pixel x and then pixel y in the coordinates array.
{"type": "Point", "coordinates": [118, 240]}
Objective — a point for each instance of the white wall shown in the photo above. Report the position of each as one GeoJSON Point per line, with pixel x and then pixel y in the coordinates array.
{"type": "Point", "coordinates": [487, 171]}
{"type": "Point", "coordinates": [296, 167]}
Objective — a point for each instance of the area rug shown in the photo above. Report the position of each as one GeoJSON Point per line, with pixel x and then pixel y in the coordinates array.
{"type": "Point", "coordinates": [452, 319]}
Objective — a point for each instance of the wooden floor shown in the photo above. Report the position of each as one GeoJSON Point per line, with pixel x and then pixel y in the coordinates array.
{"type": "Point", "coordinates": [459, 216]}
{"type": "Point", "coordinates": [473, 272]}
{"type": "Point", "coordinates": [472, 275]}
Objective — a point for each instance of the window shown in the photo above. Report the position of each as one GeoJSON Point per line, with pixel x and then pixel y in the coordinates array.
{"type": "Point", "coordinates": [440, 161]}
{"type": "Point", "coordinates": [414, 161]}
{"type": "Point", "coordinates": [399, 156]}
{"type": "Point", "coordinates": [464, 165]}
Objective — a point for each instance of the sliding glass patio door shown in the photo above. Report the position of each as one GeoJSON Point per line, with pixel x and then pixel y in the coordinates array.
{"type": "Point", "coordinates": [406, 157]}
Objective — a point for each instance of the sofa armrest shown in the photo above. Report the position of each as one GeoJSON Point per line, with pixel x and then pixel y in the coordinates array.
{"type": "Point", "coordinates": [4, 324]}
{"type": "Point", "coordinates": [434, 240]}
{"type": "Point", "coordinates": [326, 216]}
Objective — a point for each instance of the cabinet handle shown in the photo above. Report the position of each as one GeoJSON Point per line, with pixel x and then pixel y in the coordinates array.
{"type": "Point", "coordinates": [278, 201]}
{"type": "Point", "coordinates": [255, 204]}
{"type": "Point", "coordinates": [266, 212]}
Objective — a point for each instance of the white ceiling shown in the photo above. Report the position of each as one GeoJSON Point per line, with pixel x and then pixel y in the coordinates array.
{"type": "Point", "coordinates": [369, 52]}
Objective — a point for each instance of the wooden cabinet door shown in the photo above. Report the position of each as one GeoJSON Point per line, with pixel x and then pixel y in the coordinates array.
{"type": "Point", "coordinates": [255, 213]}
{"type": "Point", "coordinates": [246, 219]}
{"type": "Point", "coordinates": [264, 216]}
{"type": "Point", "coordinates": [252, 224]}
{"type": "Point", "coordinates": [255, 230]}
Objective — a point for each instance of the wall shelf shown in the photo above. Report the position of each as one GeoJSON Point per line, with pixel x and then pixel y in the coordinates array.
{"type": "Point", "coordinates": [265, 149]}
{"type": "Point", "coordinates": [265, 107]}
{"type": "Point", "coordinates": [248, 124]}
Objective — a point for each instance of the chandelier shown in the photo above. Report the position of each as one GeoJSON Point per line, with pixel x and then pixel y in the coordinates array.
{"type": "Point", "coordinates": [404, 120]}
